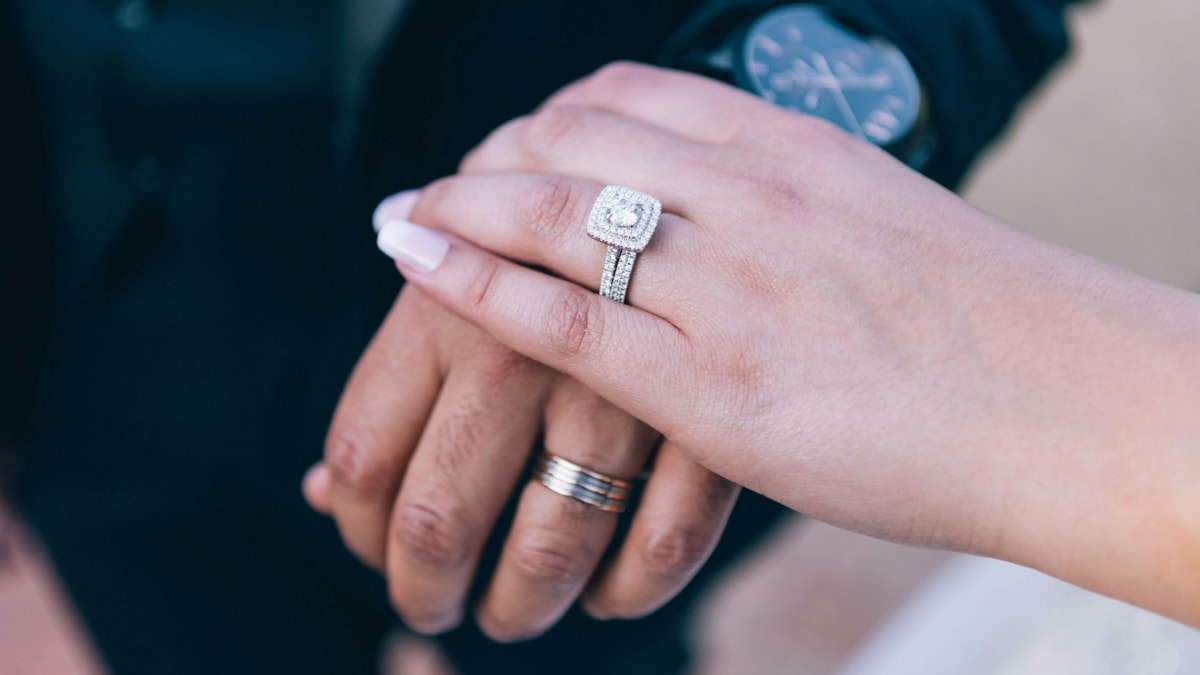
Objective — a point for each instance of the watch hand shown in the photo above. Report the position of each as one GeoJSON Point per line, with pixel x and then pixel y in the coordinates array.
{"type": "Point", "coordinates": [865, 82]}
{"type": "Point", "coordinates": [839, 95]}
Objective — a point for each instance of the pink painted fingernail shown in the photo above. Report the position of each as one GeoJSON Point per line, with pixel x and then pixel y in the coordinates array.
{"type": "Point", "coordinates": [315, 487]}
{"type": "Point", "coordinates": [412, 245]}
{"type": "Point", "coordinates": [397, 207]}
{"type": "Point", "coordinates": [316, 479]}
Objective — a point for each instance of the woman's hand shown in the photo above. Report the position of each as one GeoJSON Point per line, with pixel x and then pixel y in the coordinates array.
{"type": "Point", "coordinates": [819, 323]}
{"type": "Point", "coordinates": [430, 441]}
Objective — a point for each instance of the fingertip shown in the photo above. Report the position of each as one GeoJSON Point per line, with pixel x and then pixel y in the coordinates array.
{"type": "Point", "coordinates": [593, 609]}
{"type": "Point", "coordinates": [315, 488]}
{"type": "Point", "coordinates": [504, 633]}
{"type": "Point", "coordinates": [397, 207]}
{"type": "Point", "coordinates": [434, 626]}
{"type": "Point", "coordinates": [413, 247]}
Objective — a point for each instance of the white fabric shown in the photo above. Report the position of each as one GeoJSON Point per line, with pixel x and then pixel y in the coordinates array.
{"type": "Point", "coordinates": [984, 617]}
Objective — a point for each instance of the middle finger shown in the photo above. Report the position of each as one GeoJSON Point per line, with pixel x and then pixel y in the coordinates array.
{"type": "Point", "coordinates": [465, 466]}
{"type": "Point", "coordinates": [597, 145]}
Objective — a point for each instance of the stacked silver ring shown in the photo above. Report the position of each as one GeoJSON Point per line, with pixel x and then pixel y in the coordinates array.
{"type": "Point", "coordinates": [624, 219]}
{"type": "Point", "coordinates": [583, 485]}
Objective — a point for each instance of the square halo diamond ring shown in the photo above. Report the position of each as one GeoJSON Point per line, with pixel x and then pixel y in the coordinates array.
{"type": "Point", "coordinates": [624, 219]}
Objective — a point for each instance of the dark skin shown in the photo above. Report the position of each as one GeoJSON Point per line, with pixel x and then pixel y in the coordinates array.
{"type": "Point", "coordinates": [432, 434]}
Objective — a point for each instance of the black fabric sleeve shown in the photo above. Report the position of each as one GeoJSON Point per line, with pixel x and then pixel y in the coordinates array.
{"type": "Point", "coordinates": [25, 239]}
{"type": "Point", "coordinates": [976, 58]}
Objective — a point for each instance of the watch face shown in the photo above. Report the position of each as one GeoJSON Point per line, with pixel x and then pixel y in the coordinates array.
{"type": "Point", "coordinates": [798, 58]}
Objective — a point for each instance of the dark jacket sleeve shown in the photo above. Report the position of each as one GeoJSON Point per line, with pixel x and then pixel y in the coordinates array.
{"type": "Point", "coordinates": [25, 244]}
{"type": "Point", "coordinates": [977, 58]}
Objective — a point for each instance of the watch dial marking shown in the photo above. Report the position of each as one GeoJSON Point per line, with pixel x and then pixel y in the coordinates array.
{"type": "Point", "coordinates": [769, 45]}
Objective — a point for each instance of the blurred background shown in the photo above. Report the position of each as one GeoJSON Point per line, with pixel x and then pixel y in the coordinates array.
{"type": "Point", "coordinates": [1107, 161]}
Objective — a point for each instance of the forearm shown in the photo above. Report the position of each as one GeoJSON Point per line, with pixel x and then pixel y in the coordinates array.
{"type": "Point", "coordinates": [1097, 448]}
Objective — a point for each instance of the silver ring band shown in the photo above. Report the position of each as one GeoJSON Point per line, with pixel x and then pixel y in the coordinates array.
{"type": "Point", "coordinates": [618, 267]}
{"type": "Point", "coordinates": [602, 486]}
{"type": "Point", "coordinates": [624, 219]}
{"type": "Point", "coordinates": [583, 485]}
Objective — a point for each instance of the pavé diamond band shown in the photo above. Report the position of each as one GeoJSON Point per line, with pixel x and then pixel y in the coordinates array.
{"type": "Point", "coordinates": [583, 485]}
{"type": "Point", "coordinates": [624, 219]}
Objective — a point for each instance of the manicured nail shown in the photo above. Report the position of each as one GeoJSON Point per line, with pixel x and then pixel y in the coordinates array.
{"type": "Point", "coordinates": [397, 207]}
{"type": "Point", "coordinates": [412, 245]}
{"type": "Point", "coordinates": [316, 479]}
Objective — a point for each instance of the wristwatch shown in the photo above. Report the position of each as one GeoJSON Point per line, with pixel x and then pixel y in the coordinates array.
{"type": "Point", "coordinates": [801, 58]}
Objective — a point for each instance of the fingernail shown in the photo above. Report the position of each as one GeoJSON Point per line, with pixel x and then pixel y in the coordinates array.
{"type": "Point", "coordinates": [397, 207]}
{"type": "Point", "coordinates": [315, 487]}
{"type": "Point", "coordinates": [316, 479]}
{"type": "Point", "coordinates": [595, 612]}
{"type": "Point", "coordinates": [412, 245]}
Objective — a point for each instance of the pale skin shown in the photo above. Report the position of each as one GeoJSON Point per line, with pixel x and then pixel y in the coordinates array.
{"type": "Point", "coordinates": [816, 322]}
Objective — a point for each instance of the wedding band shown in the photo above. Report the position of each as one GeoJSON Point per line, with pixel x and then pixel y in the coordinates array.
{"type": "Point", "coordinates": [624, 219]}
{"type": "Point", "coordinates": [583, 485]}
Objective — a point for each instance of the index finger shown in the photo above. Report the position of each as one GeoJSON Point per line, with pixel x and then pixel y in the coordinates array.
{"type": "Point", "coordinates": [376, 426]}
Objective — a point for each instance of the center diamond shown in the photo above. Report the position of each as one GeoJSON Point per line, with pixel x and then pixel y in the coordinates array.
{"type": "Point", "coordinates": [625, 215]}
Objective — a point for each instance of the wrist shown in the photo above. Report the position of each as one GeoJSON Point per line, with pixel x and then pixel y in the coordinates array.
{"type": "Point", "coordinates": [1098, 444]}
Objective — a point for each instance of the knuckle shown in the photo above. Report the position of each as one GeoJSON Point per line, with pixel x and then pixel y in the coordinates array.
{"type": "Point", "coordinates": [548, 128]}
{"type": "Point", "coordinates": [355, 463]}
{"type": "Point", "coordinates": [621, 76]}
{"type": "Point", "coordinates": [430, 535]}
{"type": "Point", "coordinates": [744, 382]}
{"type": "Point", "coordinates": [478, 290]}
{"type": "Point", "coordinates": [747, 378]}
{"type": "Point", "coordinates": [433, 198]}
{"type": "Point", "coordinates": [824, 136]}
{"type": "Point", "coordinates": [575, 324]}
{"type": "Point", "coordinates": [549, 206]}
{"type": "Point", "coordinates": [675, 553]}
{"type": "Point", "coordinates": [769, 183]}
{"type": "Point", "coordinates": [548, 560]}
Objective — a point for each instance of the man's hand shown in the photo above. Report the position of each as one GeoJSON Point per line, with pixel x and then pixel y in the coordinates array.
{"type": "Point", "coordinates": [432, 437]}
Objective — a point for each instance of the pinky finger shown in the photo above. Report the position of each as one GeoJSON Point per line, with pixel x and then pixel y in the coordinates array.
{"type": "Point", "coordinates": [679, 520]}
